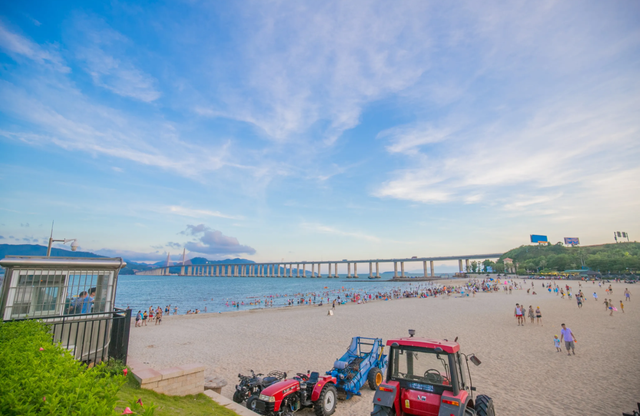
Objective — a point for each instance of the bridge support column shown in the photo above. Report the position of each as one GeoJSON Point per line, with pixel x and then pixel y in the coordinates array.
{"type": "Point", "coordinates": [395, 269]}
{"type": "Point", "coordinates": [460, 265]}
{"type": "Point", "coordinates": [348, 270]}
{"type": "Point", "coordinates": [432, 271]}
{"type": "Point", "coordinates": [402, 268]}
{"type": "Point", "coordinates": [182, 271]}
{"type": "Point", "coordinates": [304, 269]}
{"type": "Point", "coordinates": [371, 269]}
{"type": "Point", "coordinates": [319, 273]}
{"type": "Point", "coordinates": [424, 267]}
{"type": "Point", "coordinates": [313, 270]}
{"type": "Point", "coordinates": [468, 265]}
{"type": "Point", "coordinates": [377, 270]}
{"type": "Point", "coordinates": [355, 270]}
{"type": "Point", "coordinates": [297, 270]}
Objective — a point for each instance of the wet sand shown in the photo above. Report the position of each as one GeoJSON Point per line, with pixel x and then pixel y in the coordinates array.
{"type": "Point", "coordinates": [520, 370]}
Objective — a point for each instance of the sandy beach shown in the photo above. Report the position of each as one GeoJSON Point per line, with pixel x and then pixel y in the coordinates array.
{"type": "Point", "coordinates": [520, 370]}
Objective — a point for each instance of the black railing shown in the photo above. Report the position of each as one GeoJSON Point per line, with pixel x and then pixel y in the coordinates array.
{"type": "Point", "coordinates": [93, 337]}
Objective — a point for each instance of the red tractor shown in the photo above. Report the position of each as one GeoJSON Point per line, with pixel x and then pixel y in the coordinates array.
{"type": "Point", "coordinates": [429, 377]}
{"type": "Point", "coordinates": [305, 390]}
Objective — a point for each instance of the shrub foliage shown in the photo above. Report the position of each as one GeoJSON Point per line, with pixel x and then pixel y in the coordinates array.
{"type": "Point", "coordinates": [40, 378]}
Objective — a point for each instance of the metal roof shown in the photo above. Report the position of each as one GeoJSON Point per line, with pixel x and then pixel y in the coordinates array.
{"type": "Point", "coordinates": [68, 262]}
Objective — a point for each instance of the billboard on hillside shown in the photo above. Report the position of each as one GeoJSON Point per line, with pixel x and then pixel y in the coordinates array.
{"type": "Point", "coordinates": [571, 241]}
{"type": "Point", "coordinates": [535, 238]}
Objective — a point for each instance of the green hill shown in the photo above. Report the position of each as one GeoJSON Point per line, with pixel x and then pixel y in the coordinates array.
{"type": "Point", "coordinates": [605, 258]}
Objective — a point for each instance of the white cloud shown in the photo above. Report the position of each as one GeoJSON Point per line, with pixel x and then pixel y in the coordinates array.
{"type": "Point", "coordinates": [322, 62]}
{"type": "Point", "coordinates": [18, 46]}
{"type": "Point", "coordinates": [196, 213]}
{"type": "Point", "coordinates": [102, 50]}
{"type": "Point", "coordinates": [324, 229]}
{"type": "Point", "coordinates": [210, 241]}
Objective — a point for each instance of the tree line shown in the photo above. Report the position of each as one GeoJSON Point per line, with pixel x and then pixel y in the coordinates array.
{"type": "Point", "coordinates": [606, 258]}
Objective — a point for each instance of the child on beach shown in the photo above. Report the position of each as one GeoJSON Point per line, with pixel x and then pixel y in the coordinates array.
{"type": "Point", "coordinates": [556, 342]}
{"type": "Point", "coordinates": [595, 296]}
{"type": "Point", "coordinates": [538, 315]}
{"type": "Point", "coordinates": [622, 306]}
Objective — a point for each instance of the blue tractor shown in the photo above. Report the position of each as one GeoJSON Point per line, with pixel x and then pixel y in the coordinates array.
{"type": "Point", "coordinates": [363, 362]}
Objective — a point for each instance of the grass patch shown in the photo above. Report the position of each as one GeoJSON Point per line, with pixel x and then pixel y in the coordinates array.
{"type": "Point", "coordinates": [198, 405]}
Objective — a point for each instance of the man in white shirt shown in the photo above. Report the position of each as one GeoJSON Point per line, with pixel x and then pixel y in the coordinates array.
{"type": "Point", "coordinates": [569, 339]}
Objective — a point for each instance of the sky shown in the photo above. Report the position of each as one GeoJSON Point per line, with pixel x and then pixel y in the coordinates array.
{"type": "Point", "coordinates": [293, 130]}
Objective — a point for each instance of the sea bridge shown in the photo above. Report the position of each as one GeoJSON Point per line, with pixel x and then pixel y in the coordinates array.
{"type": "Point", "coordinates": [313, 269]}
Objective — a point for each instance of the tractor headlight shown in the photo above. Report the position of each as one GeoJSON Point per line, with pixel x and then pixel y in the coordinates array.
{"type": "Point", "coordinates": [265, 398]}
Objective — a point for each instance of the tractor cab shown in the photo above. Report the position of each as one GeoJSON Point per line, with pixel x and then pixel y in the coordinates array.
{"type": "Point", "coordinates": [427, 377]}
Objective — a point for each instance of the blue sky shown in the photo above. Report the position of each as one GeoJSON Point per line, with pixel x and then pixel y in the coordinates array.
{"type": "Point", "coordinates": [318, 130]}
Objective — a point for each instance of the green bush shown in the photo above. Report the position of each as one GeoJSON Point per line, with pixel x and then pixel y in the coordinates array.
{"type": "Point", "coordinates": [39, 378]}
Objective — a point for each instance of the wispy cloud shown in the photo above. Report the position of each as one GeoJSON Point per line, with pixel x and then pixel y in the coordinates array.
{"type": "Point", "coordinates": [325, 229]}
{"type": "Point", "coordinates": [197, 213]}
{"type": "Point", "coordinates": [19, 46]}
{"type": "Point", "coordinates": [97, 49]}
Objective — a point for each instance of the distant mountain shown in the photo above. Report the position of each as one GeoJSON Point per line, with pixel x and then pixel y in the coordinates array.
{"type": "Point", "coordinates": [38, 250]}
{"type": "Point", "coordinates": [131, 268]}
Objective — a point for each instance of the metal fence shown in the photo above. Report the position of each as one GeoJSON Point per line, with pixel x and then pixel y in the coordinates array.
{"type": "Point", "coordinates": [94, 337]}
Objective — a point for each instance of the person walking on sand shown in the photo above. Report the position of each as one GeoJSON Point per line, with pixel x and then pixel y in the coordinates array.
{"type": "Point", "coordinates": [606, 304]}
{"type": "Point", "coordinates": [519, 314]}
{"type": "Point", "coordinates": [627, 295]}
{"type": "Point", "coordinates": [595, 296]}
{"type": "Point", "coordinates": [611, 307]}
{"type": "Point", "coordinates": [538, 316]}
{"type": "Point", "coordinates": [622, 306]}
{"type": "Point", "coordinates": [579, 300]}
{"type": "Point", "coordinates": [556, 342]}
{"type": "Point", "coordinates": [531, 315]}
{"type": "Point", "coordinates": [569, 339]}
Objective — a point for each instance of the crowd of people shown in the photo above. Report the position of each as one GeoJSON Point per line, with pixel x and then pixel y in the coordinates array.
{"type": "Point", "coordinates": [561, 290]}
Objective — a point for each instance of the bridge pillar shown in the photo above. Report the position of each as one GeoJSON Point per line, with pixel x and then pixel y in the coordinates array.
{"type": "Point", "coordinates": [460, 265]}
{"type": "Point", "coordinates": [319, 273]}
{"type": "Point", "coordinates": [432, 271]}
{"type": "Point", "coordinates": [304, 269]}
{"type": "Point", "coordinates": [424, 267]}
{"type": "Point", "coordinates": [468, 265]}
{"type": "Point", "coordinates": [313, 270]}
{"type": "Point", "coordinates": [402, 268]}
{"type": "Point", "coordinates": [348, 270]}
{"type": "Point", "coordinates": [371, 269]}
{"type": "Point", "coordinates": [395, 269]}
{"type": "Point", "coordinates": [355, 270]}
{"type": "Point", "coordinates": [298, 270]}
{"type": "Point", "coordinates": [377, 270]}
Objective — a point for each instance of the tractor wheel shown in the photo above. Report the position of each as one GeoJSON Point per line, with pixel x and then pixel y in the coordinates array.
{"type": "Point", "coordinates": [251, 403]}
{"type": "Point", "coordinates": [374, 378]}
{"type": "Point", "coordinates": [326, 403]}
{"type": "Point", "coordinates": [484, 406]}
{"type": "Point", "coordinates": [238, 396]}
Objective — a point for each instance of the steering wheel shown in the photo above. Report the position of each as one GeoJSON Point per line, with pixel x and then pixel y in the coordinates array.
{"type": "Point", "coordinates": [302, 376]}
{"type": "Point", "coordinates": [433, 376]}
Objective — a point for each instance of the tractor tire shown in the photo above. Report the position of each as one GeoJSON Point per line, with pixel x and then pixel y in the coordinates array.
{"type": "Point", "coordinates": [374, 378]}
{"type": "Point", "coordinates": [251, 403]}
{"type": "Point", "coordinates": [238, 396]}
{"type": "Point", "coordinates": [326, 403]}
{"type": "Point", "coordinates": [484, 406]}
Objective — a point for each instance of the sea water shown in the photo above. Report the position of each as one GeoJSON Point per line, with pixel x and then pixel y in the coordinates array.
{"type": "Point", "coordinates": [217, 294]}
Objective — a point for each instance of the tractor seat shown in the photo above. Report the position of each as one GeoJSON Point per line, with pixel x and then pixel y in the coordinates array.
{"type": "Point", "coordinates": [269, 380]}
{"type": "Point", "coordinates": [313, 377]}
